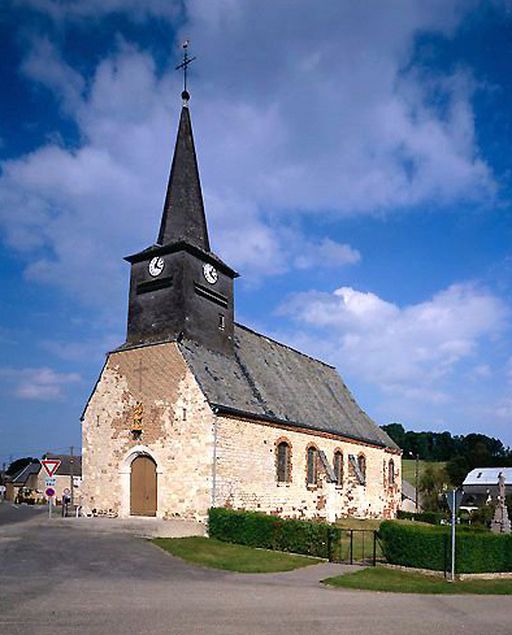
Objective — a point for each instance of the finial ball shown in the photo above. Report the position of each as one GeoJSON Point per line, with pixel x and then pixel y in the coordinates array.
{"type": "Point", "coordinates": [185, 95]}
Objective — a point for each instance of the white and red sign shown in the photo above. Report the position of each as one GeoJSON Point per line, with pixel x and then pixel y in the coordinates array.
{"type": "Point", "coordinates": [51, 466]}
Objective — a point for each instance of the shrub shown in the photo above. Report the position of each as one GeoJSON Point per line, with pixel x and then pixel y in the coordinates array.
{"type": "Point", "coordinates": [256, 529]}
{"type": "Point", "coordinates": [432, 518]}
{"type": "Point", "coordinates": [477, 551]}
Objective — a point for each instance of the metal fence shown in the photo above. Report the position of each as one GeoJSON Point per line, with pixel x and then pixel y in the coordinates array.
{"type": "Point", "coordinates": [358, 546]}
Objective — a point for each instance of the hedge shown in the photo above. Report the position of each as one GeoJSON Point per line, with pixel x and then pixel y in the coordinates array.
{"type": "Point", "coordinates": [477, 551]}
{"type": "Point", "coordinates": [256, 529]}
{"type": "Point", "coordinates": [432, 518]}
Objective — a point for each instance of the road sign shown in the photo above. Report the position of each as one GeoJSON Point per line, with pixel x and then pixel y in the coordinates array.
{"type": "Point", "coordinates": [66, 491]}
{"type": "Point", "coordinates": [51, 466]}
{"type": "Point", "coordinates": [50, 492]}
{"type": "Point", "coordinates": [457, 499]}
{"type": "Point", "coordinates": [50, 482]}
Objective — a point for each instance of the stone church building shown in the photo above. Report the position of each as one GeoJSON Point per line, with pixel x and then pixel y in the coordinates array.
{"type": "Point", "coordinates": [195, 410]}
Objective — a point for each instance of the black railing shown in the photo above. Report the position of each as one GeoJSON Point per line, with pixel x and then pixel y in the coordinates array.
{"type": "Point", "coordinates": [358, 546]}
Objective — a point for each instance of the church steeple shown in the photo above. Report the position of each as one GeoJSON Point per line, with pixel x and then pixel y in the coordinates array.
{"type": "Point", "coordinates": [179, 289]}
{"type": "Point", "coordinates": [183, 218]}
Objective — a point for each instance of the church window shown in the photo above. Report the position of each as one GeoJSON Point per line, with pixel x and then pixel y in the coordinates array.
{"type": "Point", "coordinates": [184, 414]}
{"type": "Point", "coordinates": [312, 466]}
{"type": "Point", "coordinates": [361, 462]}
{"type": "Point", "coordinates": [222, 322]}
{"type": "Point", "coordinates": [391, 472]}
{"type": "Point", "coordinates": [283, 462]}
{"type": "Point", "coordinates": [338, 467]}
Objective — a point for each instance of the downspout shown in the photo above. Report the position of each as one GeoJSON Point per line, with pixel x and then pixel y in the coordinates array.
{"type": "Point", "coordinates": [214, 462]}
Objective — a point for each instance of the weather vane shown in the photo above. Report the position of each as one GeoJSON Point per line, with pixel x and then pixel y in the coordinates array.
{"type": "Point", "coordinates": [184, 65]}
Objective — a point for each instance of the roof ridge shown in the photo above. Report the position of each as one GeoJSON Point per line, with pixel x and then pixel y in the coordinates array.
{"type": "Point", "coordinates": [291, 348]}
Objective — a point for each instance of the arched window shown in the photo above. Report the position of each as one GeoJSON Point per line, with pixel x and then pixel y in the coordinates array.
{"type": "Point", "coordinates": [361, 463]}
{"type": "Point", "coordinates": [391, 472]}
{"type": "Point", "coordinates": [338, 467]}
{"type": "Point", "coordinates": [312, 466]}
{"type": "Point", "coordinates": [283, 462]}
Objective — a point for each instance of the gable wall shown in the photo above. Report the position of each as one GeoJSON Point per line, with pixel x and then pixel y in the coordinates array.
{"type": "Point", "coordinates": [246, 474]}
{"type": "Point", "coordinates": [181, 447]}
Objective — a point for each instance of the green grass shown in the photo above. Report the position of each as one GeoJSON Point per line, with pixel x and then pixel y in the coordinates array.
{"type": "Point", "coordinates": [391, 580]}
{"type": "Point", "coordinates": [409, 469]}
{"type": "Point", "coordinates": [223, 555]}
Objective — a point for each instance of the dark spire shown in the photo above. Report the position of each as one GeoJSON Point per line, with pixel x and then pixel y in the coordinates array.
{"type": "Point", "coordinates": [183, 218]}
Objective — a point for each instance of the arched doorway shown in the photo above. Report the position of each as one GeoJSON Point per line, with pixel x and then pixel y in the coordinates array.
{"type": "Point", "coordinates": [143, 486]}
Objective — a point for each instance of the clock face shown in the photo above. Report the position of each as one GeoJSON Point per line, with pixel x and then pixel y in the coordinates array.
{"type": "Point", "coordinates": [156, 266]}
{"type": "Point", "coordinates": [210, 273]}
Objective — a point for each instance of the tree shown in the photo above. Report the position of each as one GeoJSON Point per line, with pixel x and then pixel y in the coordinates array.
{"type": "Point", "coordinates": [432, 483]}
{"type": "Point", "coordinates": [457, 469]}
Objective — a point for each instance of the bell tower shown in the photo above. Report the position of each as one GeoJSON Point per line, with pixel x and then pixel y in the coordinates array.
{"type": "Point", "coordinates": [178, 287]}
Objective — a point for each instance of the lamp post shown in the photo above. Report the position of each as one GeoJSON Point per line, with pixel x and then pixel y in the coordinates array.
{"type": "Point", "coordinates": [417, 476]}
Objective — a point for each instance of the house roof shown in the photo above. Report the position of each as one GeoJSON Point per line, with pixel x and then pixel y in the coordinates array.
{"type": "Point", "coordinates": [65, 466]}
{"type": "Point", "coordinates": [488, 476]}
{"type": "Point", "coordinates": [268, 380]}
{"type": "Point", "coordinates": [20, 478]}
{"type": "Point", "coordinates": [408, 490]}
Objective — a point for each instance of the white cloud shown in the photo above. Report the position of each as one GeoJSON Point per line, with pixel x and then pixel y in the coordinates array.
{"type": "Point", "coordinates": [326, 124]}
{"type": "Point", "coordinates": [411, 350]}
{"type": "Point", "coordinates": [61, 10]}
{"type": "Point", "coordinates": [38, 383]}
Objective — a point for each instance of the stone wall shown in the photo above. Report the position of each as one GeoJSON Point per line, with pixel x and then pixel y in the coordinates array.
{"type": "Point", "coordinates": [177, 432]}
{"type": "Point", "coordinates": [151, 388]}
{"type": "Point", "coordinates": [246, 474]}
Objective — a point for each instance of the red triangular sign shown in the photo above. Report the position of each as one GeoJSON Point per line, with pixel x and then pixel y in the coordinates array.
{"type": "Point", "coordinates": [51, 466]}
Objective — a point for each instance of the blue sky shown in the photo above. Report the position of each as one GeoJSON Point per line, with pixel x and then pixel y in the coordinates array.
{"type": "Point", "coordinates": [355, 167]}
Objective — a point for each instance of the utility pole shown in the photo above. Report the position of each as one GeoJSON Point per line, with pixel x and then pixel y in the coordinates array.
{"type": "Point", "coordinates": [71, 477]}
{"type": "Point", "coordinates": [417, 480]}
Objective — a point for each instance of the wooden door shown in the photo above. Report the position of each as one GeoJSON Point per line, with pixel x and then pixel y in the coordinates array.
{"type": "Point", "coordinates": [143, 487]}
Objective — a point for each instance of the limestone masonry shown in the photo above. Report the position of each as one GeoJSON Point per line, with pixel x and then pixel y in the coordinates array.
{"type": "Point", "coordinates": [195, 410]}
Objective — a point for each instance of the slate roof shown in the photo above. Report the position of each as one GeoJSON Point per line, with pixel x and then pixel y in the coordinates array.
{"type": "Point", "coordinates": [21, 477]}
{"type": "Point", "coordinates": [270, 381]}
{"type": "Point", "coordinates": [65, 466]}
{"type": "Point", "coordinates": [488, 476]}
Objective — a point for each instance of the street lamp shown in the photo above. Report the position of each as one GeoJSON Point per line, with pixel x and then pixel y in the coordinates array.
{"type": "Point", "coordinates": [417, 457]}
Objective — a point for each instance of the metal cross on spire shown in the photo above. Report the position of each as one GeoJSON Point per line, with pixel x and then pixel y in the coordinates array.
{"type": "Point", "coordinates": [184, 65]}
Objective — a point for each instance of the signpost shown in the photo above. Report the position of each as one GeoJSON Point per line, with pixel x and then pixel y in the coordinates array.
{"type": "Point", "coordinates": [50, 493]}
{"type": "Point", "coordinates": [454, 499]}
{"type": "Point", "coordinates": [51, 466]}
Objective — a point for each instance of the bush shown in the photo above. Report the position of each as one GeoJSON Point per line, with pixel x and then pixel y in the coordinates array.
{"type": "Point", "coordinates": [271, 532]}
{"type": "Point", "coordinates": [477, 551]}
{"type": "Point", "coordinates": [432, 518]}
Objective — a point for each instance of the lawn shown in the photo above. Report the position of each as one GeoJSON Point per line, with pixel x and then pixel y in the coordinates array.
{"type": "Point", "coordinates": [223, 555]}
{"type": "Point", "coordinates": [394, 581]}
{"type": "Point", "coordinates": [409, 469]}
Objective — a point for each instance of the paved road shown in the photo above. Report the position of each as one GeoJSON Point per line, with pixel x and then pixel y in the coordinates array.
{"type": "Point", "coordinates": [59, 578]}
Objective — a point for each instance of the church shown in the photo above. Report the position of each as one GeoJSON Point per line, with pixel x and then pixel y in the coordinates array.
{"type": "Point", "coordinates": [196, 411]}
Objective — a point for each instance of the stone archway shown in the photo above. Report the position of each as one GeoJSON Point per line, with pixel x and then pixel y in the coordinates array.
{"type": "Point", "coordinates": [143, 486]}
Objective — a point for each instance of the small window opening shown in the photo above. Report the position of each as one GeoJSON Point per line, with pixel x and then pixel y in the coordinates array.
{"type": "Point", "coordinates": [136, 434]}
{"type": "Point", "coordinates": [312, 466]}
{"type": "Point", "coordinates": [222, 322]}
{"type": "Point", "coordinates": [184, 414]}
{"type": "Point", "coordinates": [283, 463]}
{"type": "Point", "coordinates": [391, 472]}
{"type": "Point", "coordinates": [338, 468]}
{"type": "Point", "coordinates": [361, 463]}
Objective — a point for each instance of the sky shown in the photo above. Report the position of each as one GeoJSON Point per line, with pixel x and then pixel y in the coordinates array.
{"type": "Point", "coordinates": [355, 166]}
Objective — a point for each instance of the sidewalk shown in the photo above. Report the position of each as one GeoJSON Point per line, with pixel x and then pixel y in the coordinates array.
{"type": "Point", "coordinates": [141, 527]}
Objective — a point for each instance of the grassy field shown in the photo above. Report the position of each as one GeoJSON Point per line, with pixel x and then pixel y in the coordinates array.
{"type": "Point", "coordinates": [222, 555]}
{"type": "Point", "coordinates": [409, 468]}
{"type": "Point", "coordinates": [393, 581]}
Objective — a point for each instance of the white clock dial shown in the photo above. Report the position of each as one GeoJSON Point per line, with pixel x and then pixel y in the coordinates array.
{"type": "Point", "coordinates": [156, 266]}
{"type": "Point", "coordinates": [210, 273]}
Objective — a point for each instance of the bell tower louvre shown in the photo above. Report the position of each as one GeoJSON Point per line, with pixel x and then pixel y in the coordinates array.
{"type": "Point", "coordinates": [179, 288]}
